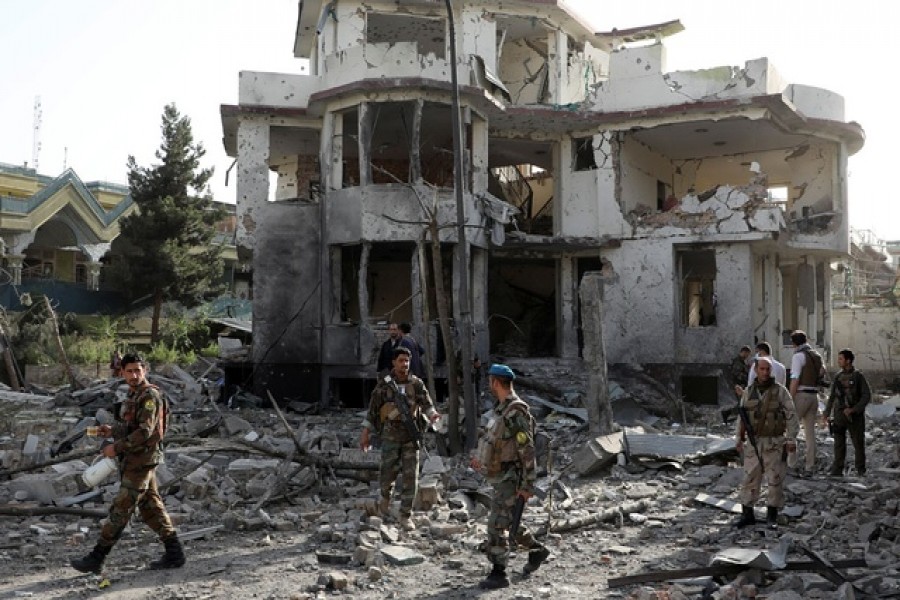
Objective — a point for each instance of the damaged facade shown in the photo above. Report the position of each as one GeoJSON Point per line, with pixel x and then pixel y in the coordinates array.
{"type": "Point", "coordinates": [713, 202]}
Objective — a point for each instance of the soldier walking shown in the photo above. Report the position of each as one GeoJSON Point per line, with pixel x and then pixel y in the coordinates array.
{"type": "Point", "coordinates": [506, 457]}
{"type": "Point", "coordinates": [393, 423]}
{"type": "Point", "coordinates": [137, 436]}
{"type": "Point", "coordinates": [849, 396]}
{"type": "Point", "coordinates": [768, 419]}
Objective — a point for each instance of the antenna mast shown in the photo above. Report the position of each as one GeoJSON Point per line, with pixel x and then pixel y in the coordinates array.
{"type": "Point", "coordinates": [36, 139]}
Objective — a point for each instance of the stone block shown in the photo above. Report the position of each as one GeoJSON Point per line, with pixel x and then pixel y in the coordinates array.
{"type": "Point", "coordinates": [402, 556]}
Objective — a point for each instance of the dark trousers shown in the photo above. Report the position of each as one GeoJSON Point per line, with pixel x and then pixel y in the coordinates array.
{"type": "Point", "coordinates": [857, 430]}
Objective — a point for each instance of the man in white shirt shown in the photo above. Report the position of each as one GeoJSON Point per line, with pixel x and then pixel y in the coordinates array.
{"type": "Point", "coordinates": [779, 373]}
{"type": "Point", "coordinates": [805, 391]}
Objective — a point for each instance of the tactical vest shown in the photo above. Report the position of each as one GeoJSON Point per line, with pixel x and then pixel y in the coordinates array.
{"type": "Point", "coordinates": [848, 383]}
{"type": "Point", "coordinates": [389, 414]}
{"type": "Point", "coordinates": [767, 414]}
{"type": "Point", "coordinates": [810, 373]}
{"type": "Point", "coordinates": [495, 448]}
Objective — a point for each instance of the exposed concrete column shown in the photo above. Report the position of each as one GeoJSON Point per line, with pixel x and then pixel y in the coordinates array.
{"type": "Point", "coordinates": [480, 299]}
{"type": "Point", "coordinates": [252, 177]}
{"type": "Point", "coordinates": [566, 307]}
{"type": "Point", "coordinates": [772, 302]}
{"type": "Point", "coordinates": [364, 143]}
{"type": "Point", "coordinates": [827, 323]}
{"type": "Point", "coordinates": [418, 293]}
{"type": "Point", "coordinates": [479, 155]}
{"type": "Point", "coordinates": [600, 416]}
{"type": "Point", "coordinates": [415, 142]}
{"type": "Point", "coordinates": [14, 265]}
{"type": "Point", "coordinates": [557, 63]}
{"type": "Point", "coordinates": [332, 156]}
{"type": "Point", "coordinates": [806, 298]}
{"type": "Point", "coordinates": [93, 279]}
{"type": "Point", "coordinates": [362, 288]}
{"type": "Point", "coordinates": [561, 168]}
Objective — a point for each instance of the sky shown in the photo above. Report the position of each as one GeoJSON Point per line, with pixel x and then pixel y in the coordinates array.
{"type": "Point", "coordinates": [104, 70]}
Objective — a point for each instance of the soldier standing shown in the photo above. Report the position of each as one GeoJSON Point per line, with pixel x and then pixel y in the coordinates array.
{"type": "Point", "coordinates": [506, 457]}
{"type": "Point", "coordinates": [740, 370]}
{"type": "Point", "coordinates": [137, 436]}
{"type": "Point", "coordinates": [399, 447]}
{"type": "Point", "coordinates": [773, 425]}
{"type": "Point", "coordinates": [849, 396]}
{"type": "Point", "coordinates": [804, 386]}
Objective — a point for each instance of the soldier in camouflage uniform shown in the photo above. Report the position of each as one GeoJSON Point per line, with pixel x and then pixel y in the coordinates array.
{"type": "Point", "coordinates": [740, 370]}
{"type": "Point", "coordinates": [849, 396]}
{"type": "Point", "coordinates": [506, 457]}
{"type": "Point", "coordinates": [399, 450]}
{"type": "Point", "coordinates": [137, 436]}
{"type": "Point", "coordinates": [774, 422]}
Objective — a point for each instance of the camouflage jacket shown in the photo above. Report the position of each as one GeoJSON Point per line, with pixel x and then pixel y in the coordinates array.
{"type": "Point", "coordinates": [139, 432]}
{"type": "Point", "coordinates": [512, 435]}
{"type": "Point", "coordinates": [385, 417]}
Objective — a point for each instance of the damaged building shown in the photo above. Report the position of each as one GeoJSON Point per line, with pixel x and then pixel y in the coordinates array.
{"type": "Point", "coordinates": [713, 202]}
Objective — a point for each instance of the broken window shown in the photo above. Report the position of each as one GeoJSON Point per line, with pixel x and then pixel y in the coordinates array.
{"type": "Point", "coordinates": [389, 149]}
{"type": "Point", "coordinates": [698, 287]}
{"type": "Point", "coordinates": [436, 145]}
{"type": "Point", "coordinates": [521, 173]}
{"type": "Point", "coordinates": [583, 154]}
{"type": "Point", "coordinates": [428, 34]}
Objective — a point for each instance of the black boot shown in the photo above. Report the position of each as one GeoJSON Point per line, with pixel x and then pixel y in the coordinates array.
{"type": "Point", "coordinates": [92, 562]}
{"type": "Point", "coordinates": [747, 517]}
{"type": "Point", "coordinates": [174, 556]}
{"type": "Point", "coordinates": [496, 580]}
{"type": "Point", "coordinates": [535, 557]}
{"type": "Point", "coordinates": [772, 517]}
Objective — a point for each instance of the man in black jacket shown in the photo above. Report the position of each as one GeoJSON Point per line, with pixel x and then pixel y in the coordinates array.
{"type": "Point", "coordinates": [849, 396]}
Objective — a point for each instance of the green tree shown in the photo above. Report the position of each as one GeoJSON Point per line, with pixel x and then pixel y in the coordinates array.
{"type": "Point", "coordinates": [167, 242]}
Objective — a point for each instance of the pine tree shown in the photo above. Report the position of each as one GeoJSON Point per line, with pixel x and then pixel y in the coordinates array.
{"type": "Point", "coordinates": [167, 243]}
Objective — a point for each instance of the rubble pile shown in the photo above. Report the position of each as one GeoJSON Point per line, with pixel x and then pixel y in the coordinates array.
{"type": "Point", "coordinates": [281, 501]}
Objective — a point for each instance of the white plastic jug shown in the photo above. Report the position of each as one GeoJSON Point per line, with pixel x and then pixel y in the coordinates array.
{"type": "Point", "coordinates": [99, 471]}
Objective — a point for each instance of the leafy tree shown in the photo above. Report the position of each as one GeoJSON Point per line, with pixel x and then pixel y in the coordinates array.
{"type": "Point", "coordinates": [167, 243]}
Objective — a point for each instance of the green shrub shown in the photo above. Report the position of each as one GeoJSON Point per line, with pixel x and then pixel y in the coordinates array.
{"type": "Point", "coordinates": [211, 351]}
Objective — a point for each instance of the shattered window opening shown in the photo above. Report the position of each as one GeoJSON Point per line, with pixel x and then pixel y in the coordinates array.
{"type": "Point", "coordinates": [583, 154]}
{"type": "Point", "coordinates": [428, 34]}
{"type": "Point", "coordinates": [698, 287]}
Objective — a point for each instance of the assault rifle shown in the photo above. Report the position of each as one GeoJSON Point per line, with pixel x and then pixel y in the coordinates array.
{"type": "Point", "coordinates": [751, 435]}
{"type": "Point", "coordinates": [517, 511]}
{"type": "Point", "coordinates": [403, 407]}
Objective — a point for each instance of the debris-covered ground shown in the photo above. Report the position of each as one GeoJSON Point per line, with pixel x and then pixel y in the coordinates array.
{"type": "Point", "coordinates": [270, 513]}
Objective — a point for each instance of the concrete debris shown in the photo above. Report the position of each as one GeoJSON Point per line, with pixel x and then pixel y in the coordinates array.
{"type": "Point", "coordinates": [630, 509]}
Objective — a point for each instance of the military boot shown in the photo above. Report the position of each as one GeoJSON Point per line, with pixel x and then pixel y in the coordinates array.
{"type": "Point", "coordinates": [496, 579]}
{"type": "Point", "coordinates": [173, 557]}
{"type": "Point", "coordinates": [93, 561]}
{"type": "Point", "coordinates": [747, 517]}
{"type": "Point", "coordinates": [384, 506]}
{"type": "Point", "coordinates": [772, 517]}
{"type": "Point", "coordinates": [536, 556]}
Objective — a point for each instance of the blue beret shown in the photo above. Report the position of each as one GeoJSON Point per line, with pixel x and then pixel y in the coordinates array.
{"type": "Point", "coordinates": [498, 370]}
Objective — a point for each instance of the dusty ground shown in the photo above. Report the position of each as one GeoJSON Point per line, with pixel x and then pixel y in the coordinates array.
{"type": "Point", "coordinates": [677, 533]}
{"type": "Point", "coordinates": [274, 555]}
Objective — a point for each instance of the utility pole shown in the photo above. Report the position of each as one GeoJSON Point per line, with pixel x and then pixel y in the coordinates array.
{"type": "Point", "coordinates": [462, 249]}
{"type": "Point", "coordinates": [36, 134]}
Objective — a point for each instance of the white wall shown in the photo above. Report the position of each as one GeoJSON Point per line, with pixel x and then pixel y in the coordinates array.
{"type": "Point", "coordinates": [872, 333]}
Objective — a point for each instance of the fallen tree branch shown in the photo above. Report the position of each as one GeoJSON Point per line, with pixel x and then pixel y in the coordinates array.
{"type": "Point", "coordinates": [610, 514]}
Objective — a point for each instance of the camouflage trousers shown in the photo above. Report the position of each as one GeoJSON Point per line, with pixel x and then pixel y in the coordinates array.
{"type": "Point", "coordinates": [400, 458]}
{"type": "Point", "coordinates": [137, 490]}
{"type": "Point", "coordinates": [499, 520]}
{"type": "Point", "coordinates": [772, 450]}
